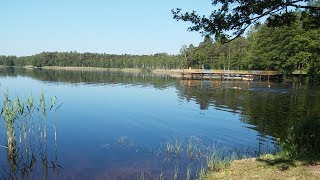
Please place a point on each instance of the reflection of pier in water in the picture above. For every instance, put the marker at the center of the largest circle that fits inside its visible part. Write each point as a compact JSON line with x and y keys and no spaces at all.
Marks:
{"x":225,"y":74}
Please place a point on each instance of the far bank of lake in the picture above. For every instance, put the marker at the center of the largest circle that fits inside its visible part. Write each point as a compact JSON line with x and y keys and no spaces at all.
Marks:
{"x":191,"y":74}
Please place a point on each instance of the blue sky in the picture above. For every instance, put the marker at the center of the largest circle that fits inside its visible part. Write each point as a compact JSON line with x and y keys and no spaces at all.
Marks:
{"x":104,"y":26}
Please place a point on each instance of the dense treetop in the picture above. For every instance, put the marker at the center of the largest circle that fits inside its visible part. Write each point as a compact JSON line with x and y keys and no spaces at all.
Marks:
{"x":237,"y":15}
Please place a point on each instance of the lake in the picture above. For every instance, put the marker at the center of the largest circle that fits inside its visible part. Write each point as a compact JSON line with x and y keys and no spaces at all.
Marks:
{"x":116,"y":125}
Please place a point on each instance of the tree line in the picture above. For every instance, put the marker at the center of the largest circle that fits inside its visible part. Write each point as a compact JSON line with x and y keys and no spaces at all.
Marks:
{"x":76,"y":59}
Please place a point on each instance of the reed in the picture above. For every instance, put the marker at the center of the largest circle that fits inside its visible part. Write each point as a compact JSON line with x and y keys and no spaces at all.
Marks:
{"x":22,"y":119}
{"x":193,"y":148}
{"x":174,"y":148}
{"x":202,"y":173}
{"x":175,"y":172}
{"x":9,"y":113}
{"x":141,"y":177}
{"x":218,"y":160}
{"x":195,"y":159}
{"x":124,"y":141}
{"x":188,"y":172}
{"x":161,"y":176}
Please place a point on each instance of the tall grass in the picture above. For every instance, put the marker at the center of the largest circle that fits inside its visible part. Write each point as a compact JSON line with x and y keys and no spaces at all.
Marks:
{"x":10,"y":114}
{"x":26,"y":133}
{"x":188,"y":172}
{"x":175,"y":172}
{"x":218,"y":160}
{"x":174,"y":147}
{"x":193,"y":149}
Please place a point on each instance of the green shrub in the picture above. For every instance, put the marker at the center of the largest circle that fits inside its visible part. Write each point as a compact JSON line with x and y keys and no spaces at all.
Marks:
{"x":303,"y":140}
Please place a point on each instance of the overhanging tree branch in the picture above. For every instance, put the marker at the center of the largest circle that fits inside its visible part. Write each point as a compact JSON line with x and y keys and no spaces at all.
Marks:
{"x":235,"y":16}
{"x":305,"y":7}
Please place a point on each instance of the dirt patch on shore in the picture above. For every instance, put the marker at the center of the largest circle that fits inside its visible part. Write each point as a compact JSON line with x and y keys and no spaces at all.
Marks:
{"x":315,"y":169}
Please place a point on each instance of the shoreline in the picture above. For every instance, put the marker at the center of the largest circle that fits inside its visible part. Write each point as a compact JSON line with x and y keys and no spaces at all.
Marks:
{"x":186,"y":74}
{"x":171,"y":72}
{"x":127,"y":70}
{"x":69,"y":68}
{"x":87,"y":69}
{"x":267,"y":166}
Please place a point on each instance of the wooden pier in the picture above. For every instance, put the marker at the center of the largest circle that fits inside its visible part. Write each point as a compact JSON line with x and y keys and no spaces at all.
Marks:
{"x":225,"y":74}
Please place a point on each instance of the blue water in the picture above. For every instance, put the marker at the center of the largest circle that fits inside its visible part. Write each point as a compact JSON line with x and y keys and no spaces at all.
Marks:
{"x":94,"y":115}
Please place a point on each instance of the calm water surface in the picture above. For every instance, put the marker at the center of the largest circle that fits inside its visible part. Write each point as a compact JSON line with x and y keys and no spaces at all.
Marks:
{"x":114,"y":125}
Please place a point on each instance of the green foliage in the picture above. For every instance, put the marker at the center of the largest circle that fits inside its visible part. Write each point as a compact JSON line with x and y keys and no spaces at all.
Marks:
{"x":215,"y":55}
{"x":8,"y":60}
{"x":75,"y":59}
{"x":236,"y":16}
{"x":286,"y":49}
{"x":303,"y":139}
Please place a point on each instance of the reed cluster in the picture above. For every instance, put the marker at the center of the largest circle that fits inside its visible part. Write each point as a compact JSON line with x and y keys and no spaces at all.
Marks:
{"x":26,"y":123}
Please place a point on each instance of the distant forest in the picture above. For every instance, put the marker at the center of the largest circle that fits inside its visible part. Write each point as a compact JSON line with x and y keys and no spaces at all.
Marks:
{"x":75,"y":59}
{"x":285,"y":49}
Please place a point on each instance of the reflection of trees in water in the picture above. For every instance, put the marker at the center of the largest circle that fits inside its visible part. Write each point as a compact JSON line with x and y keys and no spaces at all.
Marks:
{"x":206,"y":93}
{"x":275,"y":114}
{"x":87,"y":77}
{"x":271,"y":112}
{"x":28,"y":149}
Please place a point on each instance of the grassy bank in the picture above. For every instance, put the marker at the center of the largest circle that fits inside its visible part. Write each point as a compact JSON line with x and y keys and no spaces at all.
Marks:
{"x":267,"y":167}
{"x":298,"y":158}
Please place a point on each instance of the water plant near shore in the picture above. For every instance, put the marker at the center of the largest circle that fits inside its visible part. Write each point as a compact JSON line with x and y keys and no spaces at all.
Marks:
{"x":189,"y":172}
{"x":175,"y":172}
{"x":217,"y":160}
{"x":9,"y":112}
{"x":25,"y":124}
{"x":174,"y":147}
{"x":184,"y":158}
